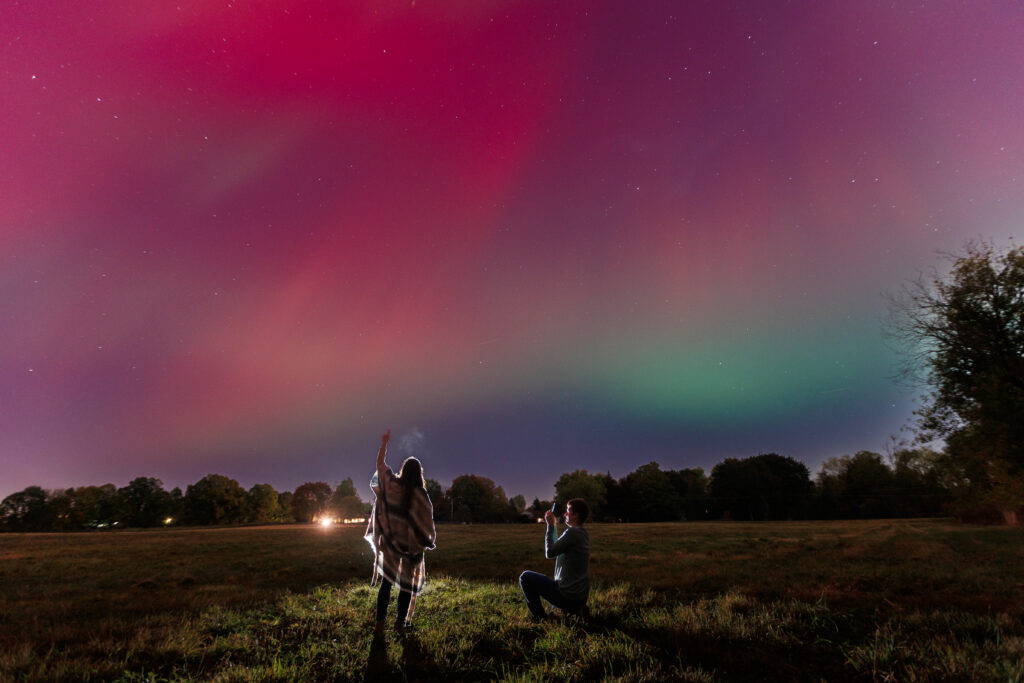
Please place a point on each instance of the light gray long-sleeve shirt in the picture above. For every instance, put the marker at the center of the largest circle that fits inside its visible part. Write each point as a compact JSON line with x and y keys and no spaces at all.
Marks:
{"x":571,"y":552}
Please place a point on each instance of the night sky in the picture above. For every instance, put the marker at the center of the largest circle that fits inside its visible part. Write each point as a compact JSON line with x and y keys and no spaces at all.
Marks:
{"x":528,"y":237}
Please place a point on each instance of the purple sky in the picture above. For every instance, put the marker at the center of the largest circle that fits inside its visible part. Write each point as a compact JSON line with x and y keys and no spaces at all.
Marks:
{"x":529,"y":237}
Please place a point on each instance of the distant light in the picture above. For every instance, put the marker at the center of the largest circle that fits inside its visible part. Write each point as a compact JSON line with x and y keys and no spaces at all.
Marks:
{"x":168,"y":521}
{"x":326,"y":522}
{"x":540,"y":520}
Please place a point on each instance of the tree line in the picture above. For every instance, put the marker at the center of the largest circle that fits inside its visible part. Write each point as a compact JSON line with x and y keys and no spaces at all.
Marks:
{"x":909,"y":483}
{"x":214,"y":499}
{"x":912,"y":483}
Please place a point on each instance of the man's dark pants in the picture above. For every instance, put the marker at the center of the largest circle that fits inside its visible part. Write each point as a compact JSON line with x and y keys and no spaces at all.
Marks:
{"x":536,"y":586}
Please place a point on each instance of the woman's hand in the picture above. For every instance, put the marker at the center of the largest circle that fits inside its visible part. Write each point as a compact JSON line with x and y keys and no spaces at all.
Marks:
{"x":385,"y":438}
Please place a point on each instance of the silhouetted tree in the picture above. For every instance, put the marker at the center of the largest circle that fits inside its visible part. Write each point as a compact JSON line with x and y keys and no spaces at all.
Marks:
{"x":144,"y":503}
{"x":829,"y":503}
{"x":650,"y":496}
{"x":691,"y":486}
{"x":349,"y":507}
{"x":345,"y":488}
{"x":582,"y":484}
{"x":59,"y":504}
{"x":24,"y":510}
{"x":263,"y":504}
{"x":94,"y":506}
{"x":538,"y":508}
{"x":869,"y":486}
{"x":284,"y":501}
{"x":616,"y":504}
{"x":483,"y":499}
{"x":434,"y":492}
{"x":309,"y":500}
{"x":345,"y":502}
{"x":216,"y":499}
{"x":176,"y":505}
{"x":766,"y":486}
{"x":919,"y":481}
{"x":963,"y":335}
{"x":859,"y":486}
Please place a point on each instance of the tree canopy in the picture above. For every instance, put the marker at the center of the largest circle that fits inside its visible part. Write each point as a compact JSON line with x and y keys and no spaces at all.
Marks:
{"x":345,"y":502}
{"x":766,"y":486}
{"x":477,"y":499}
{"x":963,"y":336}
{"x":264,"y":504}
{"x":581,"y":484}
{"x":216,"y":499}
{"x":144,"y":502}
{"x":310,"y":499}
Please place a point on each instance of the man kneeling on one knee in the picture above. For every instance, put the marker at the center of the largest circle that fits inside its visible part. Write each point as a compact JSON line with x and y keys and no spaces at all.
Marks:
{"x":571,"y":551}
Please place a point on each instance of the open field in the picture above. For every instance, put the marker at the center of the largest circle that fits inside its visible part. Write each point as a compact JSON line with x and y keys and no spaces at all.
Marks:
{"x":876,"y":600}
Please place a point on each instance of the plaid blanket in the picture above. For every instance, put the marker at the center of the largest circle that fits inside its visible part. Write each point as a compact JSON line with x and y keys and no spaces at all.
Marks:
{"x":398,"y":536}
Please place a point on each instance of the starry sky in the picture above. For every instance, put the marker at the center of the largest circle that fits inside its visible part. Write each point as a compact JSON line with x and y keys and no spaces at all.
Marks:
{"x":527,"y":236}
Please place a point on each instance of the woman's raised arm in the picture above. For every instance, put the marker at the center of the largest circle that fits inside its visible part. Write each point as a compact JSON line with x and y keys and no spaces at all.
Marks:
{"x":380,"y":455}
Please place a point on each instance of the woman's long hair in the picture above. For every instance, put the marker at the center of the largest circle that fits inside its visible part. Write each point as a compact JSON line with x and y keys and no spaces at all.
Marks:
{"x":411,"y":476}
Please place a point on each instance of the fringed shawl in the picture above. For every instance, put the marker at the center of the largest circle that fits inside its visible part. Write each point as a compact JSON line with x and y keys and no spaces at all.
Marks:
{"x":398,"y":536}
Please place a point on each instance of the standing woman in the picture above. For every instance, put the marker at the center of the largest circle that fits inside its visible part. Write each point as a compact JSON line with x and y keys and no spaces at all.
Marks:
{"x":401,"y":528}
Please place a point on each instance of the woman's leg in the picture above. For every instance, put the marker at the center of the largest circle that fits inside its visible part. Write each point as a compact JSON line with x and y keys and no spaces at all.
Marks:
{"x":404,"y":597}
{"x":383,"y":598}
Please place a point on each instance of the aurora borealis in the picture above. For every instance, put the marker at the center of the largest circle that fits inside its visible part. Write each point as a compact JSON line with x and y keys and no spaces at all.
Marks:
{"x":529,"y":237}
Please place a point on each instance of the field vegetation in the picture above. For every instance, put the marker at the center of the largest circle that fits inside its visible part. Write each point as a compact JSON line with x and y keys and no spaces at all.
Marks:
{"x":718,"y":601}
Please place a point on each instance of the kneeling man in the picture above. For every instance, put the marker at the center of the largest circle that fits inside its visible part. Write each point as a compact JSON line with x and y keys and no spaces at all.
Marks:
{"x":571,"y":551}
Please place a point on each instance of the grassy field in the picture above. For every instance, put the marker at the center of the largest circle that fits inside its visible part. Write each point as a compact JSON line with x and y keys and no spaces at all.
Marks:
{"x":878,"y":600}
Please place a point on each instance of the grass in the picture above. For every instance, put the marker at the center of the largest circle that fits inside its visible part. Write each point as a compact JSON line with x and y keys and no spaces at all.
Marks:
{"x":878,"y":600}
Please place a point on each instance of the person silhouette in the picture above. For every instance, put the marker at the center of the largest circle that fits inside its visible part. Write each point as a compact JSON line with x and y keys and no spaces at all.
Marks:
{"x":570,"y":588}
{"x":400,"y":529}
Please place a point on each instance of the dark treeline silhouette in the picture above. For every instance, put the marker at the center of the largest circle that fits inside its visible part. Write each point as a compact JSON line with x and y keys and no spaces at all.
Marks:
{"x":908,"y":483}
{"x":766,"y":487}
{"x":214,"y":499}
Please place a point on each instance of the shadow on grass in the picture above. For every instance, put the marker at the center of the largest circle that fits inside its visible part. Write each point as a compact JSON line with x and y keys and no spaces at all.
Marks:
{"x":377,"y":667}
{"x":730,"y":658}
{"x":417,"y":663}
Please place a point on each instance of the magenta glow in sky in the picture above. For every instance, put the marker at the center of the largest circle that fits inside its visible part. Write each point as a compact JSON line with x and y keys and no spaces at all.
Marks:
{"x":246,"y":238}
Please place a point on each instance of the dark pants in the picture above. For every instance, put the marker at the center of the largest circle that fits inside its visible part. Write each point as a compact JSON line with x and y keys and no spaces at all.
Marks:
{"x":384,"y":597}
{"x":536,"y":586}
